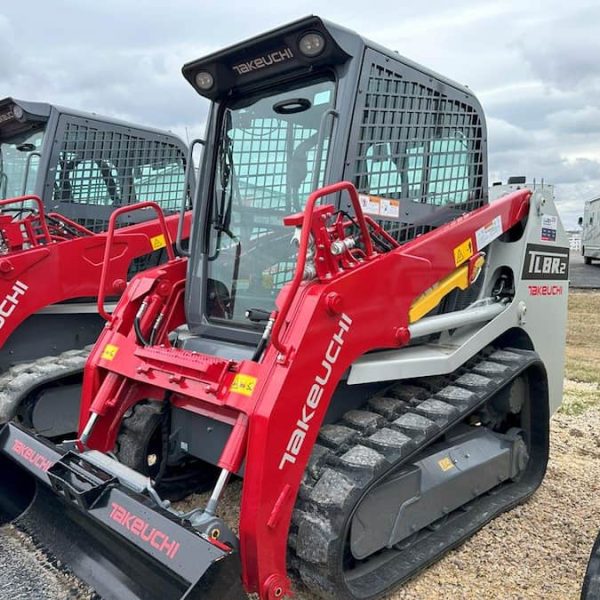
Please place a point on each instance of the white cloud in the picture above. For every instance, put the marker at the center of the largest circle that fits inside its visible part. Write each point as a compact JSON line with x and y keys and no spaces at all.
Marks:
{"x":534,"y":65}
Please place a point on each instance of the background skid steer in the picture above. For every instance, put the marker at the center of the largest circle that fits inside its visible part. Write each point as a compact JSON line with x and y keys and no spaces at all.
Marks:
{"x":63,"y":174}
{"x":383,"y":386}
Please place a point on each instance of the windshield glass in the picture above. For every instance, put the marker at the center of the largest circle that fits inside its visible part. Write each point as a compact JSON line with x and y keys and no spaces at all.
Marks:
{"x":272,"y":153}
{"x":19,"y":161}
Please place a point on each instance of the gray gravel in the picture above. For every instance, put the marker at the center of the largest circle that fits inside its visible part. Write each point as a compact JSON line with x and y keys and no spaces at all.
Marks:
{"x":26,"y":573}
{"x":540,"y":549}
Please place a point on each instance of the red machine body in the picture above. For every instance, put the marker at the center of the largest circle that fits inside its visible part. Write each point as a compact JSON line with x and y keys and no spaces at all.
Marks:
{"x":48,"y":258}
{"x":276,"y":405}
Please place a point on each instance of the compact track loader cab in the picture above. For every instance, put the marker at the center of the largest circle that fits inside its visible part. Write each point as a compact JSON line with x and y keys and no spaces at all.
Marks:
{"x":363,"y":335}
{"x":83,"y":165}
{"x":63,"y":175}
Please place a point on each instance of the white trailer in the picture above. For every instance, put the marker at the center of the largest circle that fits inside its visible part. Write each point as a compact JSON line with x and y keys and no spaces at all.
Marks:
{"x":590,"y":235}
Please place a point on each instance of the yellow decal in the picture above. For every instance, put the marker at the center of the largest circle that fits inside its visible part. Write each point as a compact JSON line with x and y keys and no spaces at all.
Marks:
{"x":446,"y":464}
{"x":157,"y":242}
{"x":463,"y":252}
{"x":109,"y":352}
{"x":243,"y":384}
{"x":429,"y":299}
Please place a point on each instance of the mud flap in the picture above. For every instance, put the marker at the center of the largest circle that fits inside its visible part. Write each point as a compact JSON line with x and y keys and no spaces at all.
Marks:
{"x":119,"y":542}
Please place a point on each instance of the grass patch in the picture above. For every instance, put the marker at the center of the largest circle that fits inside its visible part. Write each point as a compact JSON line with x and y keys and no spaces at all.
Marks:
{"x":582,"y":384}
{"x":583,"y":337}
{"x":578,"y":397}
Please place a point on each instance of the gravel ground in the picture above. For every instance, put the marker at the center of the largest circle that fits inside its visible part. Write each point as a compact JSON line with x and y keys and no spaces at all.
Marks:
{"x":538,"y":550}
{"x":541,"y":548}
{"x":26,"y":573}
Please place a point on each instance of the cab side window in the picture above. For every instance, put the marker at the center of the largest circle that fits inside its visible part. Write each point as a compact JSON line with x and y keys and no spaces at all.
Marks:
{"x":443,"y":163}
{"x":162,"y":183}
{"x":87,"y":181}
{"x":448,"y":171}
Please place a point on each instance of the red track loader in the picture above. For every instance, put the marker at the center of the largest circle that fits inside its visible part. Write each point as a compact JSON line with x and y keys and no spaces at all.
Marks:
{"x":63,"y":176}
{"x":363,"y":334}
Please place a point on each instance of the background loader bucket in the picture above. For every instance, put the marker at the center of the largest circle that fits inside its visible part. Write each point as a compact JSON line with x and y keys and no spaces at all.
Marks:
{"x":119,"y":543}
{"x":18,"y":489}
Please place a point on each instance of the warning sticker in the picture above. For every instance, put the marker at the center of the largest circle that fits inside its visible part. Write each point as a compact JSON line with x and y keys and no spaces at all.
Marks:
{"x":487,"y":234}
{"x":109,"y":352}
{"x":446,"y":463}
{"x":243,"y":384}
{"x":369,"y":204}
{"x":390,"y":208}
{"x":157,"y":242}
{"x":463,"y":252}
{"x":379,"y":207}
{"x":549,"y":227}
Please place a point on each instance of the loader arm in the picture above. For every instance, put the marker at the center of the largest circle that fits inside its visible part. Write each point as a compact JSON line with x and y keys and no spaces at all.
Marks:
{"x":292,"y":397}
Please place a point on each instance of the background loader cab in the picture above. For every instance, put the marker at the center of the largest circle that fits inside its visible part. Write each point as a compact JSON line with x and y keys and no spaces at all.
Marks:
{"x":84,"y":166}
{"x":63,"y":174}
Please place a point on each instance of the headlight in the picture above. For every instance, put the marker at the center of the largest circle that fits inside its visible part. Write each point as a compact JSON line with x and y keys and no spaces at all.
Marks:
{"x":204,"y":80}
{"x":17,"y":111}
{"x":311,"y":44}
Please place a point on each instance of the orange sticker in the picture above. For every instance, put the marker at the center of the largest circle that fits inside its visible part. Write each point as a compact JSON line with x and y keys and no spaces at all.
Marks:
{"x":463,"y":252}
{"x":446,"y":464}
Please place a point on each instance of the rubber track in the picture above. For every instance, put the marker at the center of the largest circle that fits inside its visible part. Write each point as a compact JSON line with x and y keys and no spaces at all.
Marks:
{"x":19,"y":381}
{"x":364,"y":445}
{"x":591,"y":583}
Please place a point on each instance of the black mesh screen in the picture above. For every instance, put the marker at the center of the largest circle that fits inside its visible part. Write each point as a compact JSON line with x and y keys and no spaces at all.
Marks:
{"x":110,"y":167}
{"x":419,"y":153}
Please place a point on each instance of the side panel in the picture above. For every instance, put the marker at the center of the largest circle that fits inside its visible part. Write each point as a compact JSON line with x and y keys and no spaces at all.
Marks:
{"x":538,"y":310}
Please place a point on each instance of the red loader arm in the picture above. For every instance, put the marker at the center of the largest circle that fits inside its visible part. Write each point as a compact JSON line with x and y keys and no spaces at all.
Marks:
{"x":48,"y":268}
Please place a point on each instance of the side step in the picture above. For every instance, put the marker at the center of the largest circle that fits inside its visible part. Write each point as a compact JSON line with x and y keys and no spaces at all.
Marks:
{"x":119,"y":542}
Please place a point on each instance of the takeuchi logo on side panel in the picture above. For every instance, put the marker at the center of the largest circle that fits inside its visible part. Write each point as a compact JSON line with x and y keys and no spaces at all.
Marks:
{"x":546,"y":263}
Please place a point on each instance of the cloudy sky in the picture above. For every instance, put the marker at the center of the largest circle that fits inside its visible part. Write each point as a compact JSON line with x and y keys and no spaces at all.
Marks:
{"x":535,"y":65}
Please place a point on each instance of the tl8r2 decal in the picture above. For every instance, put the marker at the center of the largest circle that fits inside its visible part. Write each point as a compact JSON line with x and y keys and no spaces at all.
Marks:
{"x":546,"y":263}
